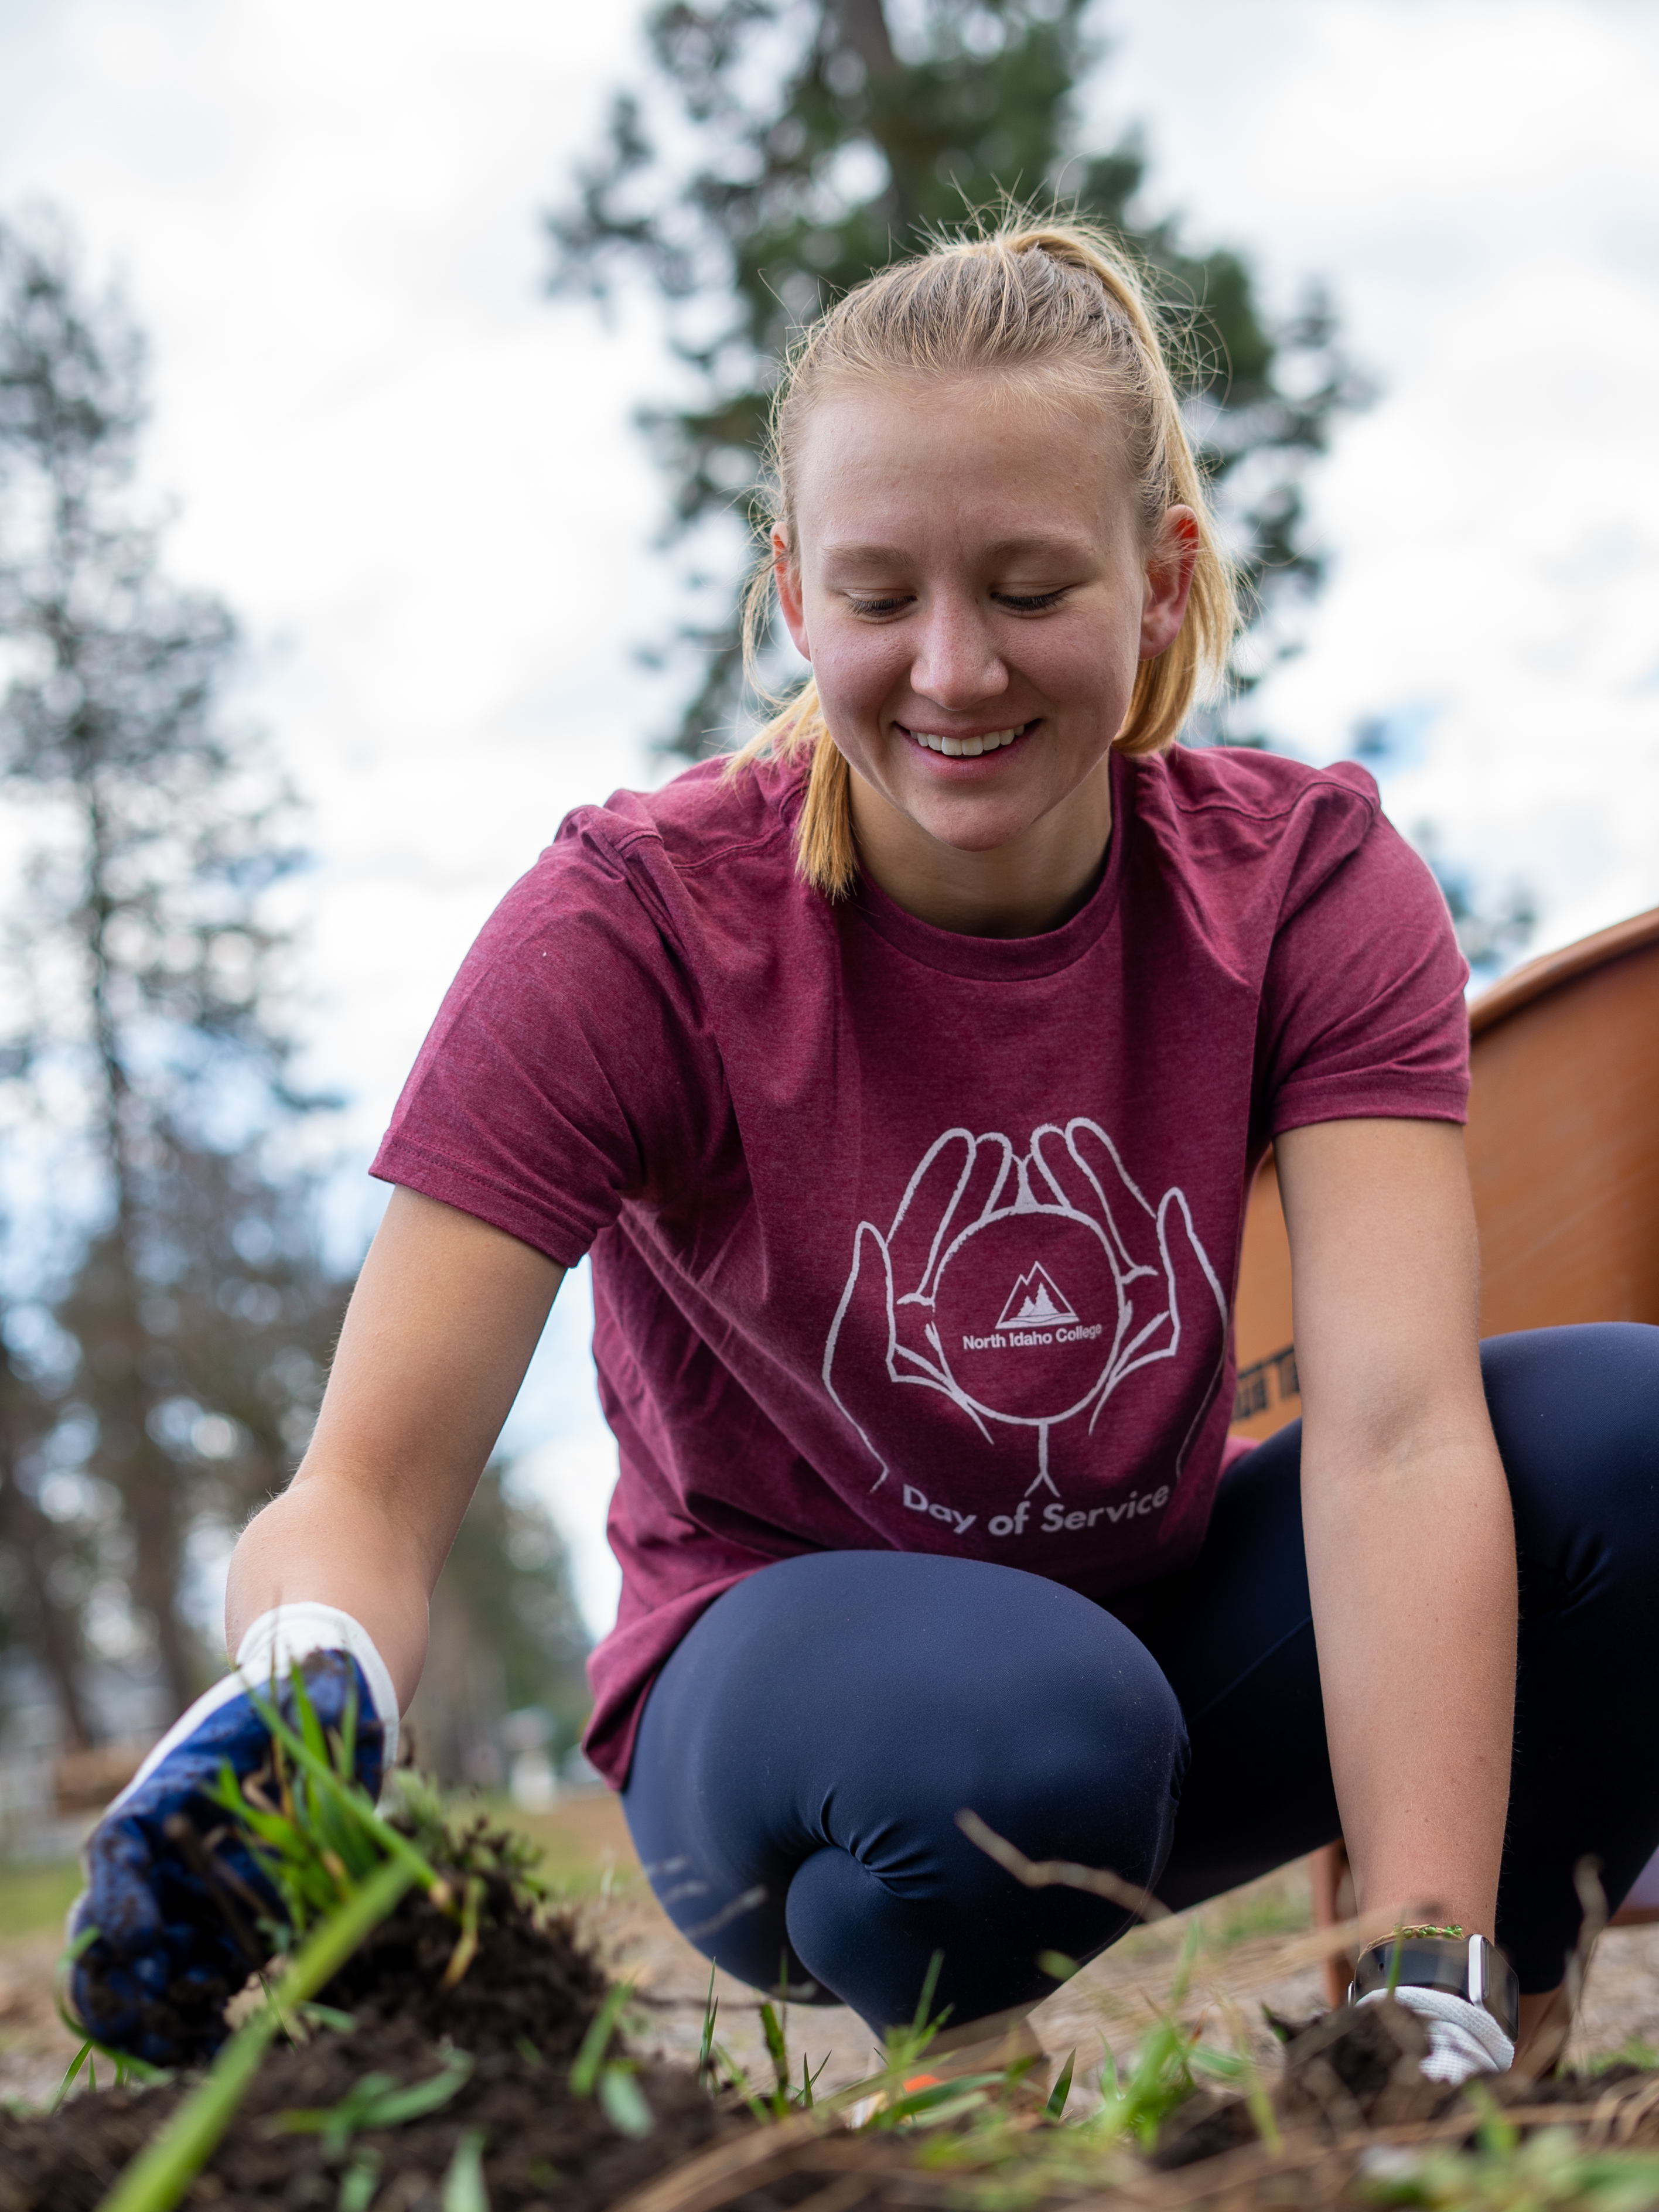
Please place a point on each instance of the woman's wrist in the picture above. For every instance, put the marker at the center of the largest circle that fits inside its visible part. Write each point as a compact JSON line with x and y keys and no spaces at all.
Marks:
{"x":323,"y":1544}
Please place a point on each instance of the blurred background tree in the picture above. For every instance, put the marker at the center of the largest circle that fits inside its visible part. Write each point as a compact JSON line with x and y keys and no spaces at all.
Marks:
{"x":166,"y":1308}
{"x":782,"y":150}
{"x":169,"y":1309}
{"x":508,"y":1646}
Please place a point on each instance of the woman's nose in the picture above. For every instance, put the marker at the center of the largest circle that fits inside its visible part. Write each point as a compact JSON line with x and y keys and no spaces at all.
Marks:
{"x":958,"y":662}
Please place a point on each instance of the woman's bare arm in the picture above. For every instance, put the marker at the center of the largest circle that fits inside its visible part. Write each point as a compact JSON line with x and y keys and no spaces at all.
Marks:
{"x":440,"y":1330}
{"x":1410,"y":1542}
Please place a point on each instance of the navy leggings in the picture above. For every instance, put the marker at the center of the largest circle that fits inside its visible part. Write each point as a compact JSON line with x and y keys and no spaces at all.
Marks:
{"x":803,"y":1753}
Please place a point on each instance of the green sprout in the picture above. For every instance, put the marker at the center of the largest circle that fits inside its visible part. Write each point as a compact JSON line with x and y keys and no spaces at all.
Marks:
{"x":463,"y":2189}
{"x":126,"y":2069}
{"x":376,"y":2101}
{"x":620,"y":2097}
{"x":1055,"y":2107}
{"x":719,"y":2072}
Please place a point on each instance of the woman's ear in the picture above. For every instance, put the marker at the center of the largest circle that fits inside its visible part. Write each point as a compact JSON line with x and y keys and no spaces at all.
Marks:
{"x":786,"y":576}
{"x":1170,"y":568}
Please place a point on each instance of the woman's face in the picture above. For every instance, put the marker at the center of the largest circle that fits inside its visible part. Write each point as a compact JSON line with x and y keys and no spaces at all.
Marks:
{"x":969,"y":574}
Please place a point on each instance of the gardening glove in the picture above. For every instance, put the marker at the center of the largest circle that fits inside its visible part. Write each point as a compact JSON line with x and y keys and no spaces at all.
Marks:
{"x":178,"y":1930}
{"x":1463,"y":2037}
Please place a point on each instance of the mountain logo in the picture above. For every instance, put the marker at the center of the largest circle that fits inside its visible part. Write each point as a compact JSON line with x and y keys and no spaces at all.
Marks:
{"x":1036,"y":1301}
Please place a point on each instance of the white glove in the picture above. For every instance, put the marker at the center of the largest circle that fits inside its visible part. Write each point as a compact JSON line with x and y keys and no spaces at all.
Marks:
{"x":269,"y":1648}
{"x":1463,"y":2037}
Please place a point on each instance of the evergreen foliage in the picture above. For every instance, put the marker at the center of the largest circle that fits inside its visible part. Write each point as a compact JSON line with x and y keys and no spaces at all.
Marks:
{"x":782,"y":150}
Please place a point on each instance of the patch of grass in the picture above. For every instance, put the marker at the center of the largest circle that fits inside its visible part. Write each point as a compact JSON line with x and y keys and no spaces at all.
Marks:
{"x":585,"y":1849}
{"x":1633,"y":2052}
{"x":1551,"y":2168}
{"x":1278,"y":1904}
{"x":37,"y":1895}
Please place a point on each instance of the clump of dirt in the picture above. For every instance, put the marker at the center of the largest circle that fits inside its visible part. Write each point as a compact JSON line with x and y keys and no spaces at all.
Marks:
{"x":1357,"y":2068}
{"x":532,"y":1978}
{"x":518,"y":2014}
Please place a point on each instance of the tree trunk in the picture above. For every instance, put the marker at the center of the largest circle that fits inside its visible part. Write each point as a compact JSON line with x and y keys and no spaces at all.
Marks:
{"x":35,"y":1545}
{"x":864,"y":27}
{"x":121,"y":1392}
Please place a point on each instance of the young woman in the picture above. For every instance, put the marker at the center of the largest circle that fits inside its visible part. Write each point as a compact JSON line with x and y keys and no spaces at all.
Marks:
{"x":905,"y":1080}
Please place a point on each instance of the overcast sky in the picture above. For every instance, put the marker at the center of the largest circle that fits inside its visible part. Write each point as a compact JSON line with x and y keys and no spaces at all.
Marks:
{"x":417,"y":483}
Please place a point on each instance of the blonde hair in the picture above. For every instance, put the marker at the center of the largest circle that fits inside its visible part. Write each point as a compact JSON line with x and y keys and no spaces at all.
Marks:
{"x":1028,"y":297}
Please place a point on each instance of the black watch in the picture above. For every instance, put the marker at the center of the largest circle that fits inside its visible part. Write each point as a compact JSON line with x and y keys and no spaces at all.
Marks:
{"x":1476,"y":1970}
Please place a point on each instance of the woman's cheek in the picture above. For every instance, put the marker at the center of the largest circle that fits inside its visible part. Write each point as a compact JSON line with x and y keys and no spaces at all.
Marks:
{"x":856,"y":674}
{"x":1074,"y":667}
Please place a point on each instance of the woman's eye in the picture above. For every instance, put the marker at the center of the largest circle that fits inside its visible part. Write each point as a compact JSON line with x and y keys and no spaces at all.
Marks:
{"x":1029,"y":602}
{"x":878,"y":606}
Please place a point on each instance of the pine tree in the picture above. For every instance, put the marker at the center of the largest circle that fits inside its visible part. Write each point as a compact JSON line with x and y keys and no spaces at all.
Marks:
{"x":44,"y":1565}
{"x":782,"y":150}
{"x":158,"y":1206}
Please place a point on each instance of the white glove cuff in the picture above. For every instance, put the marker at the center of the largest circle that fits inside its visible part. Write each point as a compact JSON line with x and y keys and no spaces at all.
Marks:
{"x":1471,"y":2023}
{"x":269,"y":1648}
{"x":288,"y":1633}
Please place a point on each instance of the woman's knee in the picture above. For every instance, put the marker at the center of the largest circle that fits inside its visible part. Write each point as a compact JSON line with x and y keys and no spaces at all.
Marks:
{"x":840,"y":1712}
{"x":1576,"y":1414}
{"x":920,"y":1674}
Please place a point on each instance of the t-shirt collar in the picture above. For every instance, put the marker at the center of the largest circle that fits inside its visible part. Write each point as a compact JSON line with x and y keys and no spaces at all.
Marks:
{"x":1010,"y":959}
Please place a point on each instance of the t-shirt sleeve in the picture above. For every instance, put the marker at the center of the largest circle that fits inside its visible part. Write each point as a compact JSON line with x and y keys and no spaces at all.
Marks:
{"x":570,"y":1065}
{"x":1363,"y":1012}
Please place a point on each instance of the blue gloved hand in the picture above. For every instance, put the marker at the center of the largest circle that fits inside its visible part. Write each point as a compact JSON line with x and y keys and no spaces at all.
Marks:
{"x":177,"y":1922}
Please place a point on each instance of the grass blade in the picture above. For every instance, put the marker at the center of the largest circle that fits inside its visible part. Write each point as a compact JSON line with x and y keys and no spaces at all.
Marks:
{"x":777,"y":2048}
{"x":463,"y":2188}
{"x":1062,"y":2089}
{"x":706,"y":2048}
{"x":622,"y":2102}
{"x":68,"y":2082}
{"x":360,"y":2180}
{"x":585,"y":2073}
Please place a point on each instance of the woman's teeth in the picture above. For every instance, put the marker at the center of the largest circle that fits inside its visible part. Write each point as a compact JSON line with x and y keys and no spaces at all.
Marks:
{"x":955,"y":747}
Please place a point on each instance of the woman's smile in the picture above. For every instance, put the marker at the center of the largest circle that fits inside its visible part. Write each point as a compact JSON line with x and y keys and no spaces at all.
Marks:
{"x":968,"y":745}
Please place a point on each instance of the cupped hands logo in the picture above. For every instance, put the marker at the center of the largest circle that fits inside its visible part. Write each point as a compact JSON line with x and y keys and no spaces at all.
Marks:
{"x":1026,"y":1288}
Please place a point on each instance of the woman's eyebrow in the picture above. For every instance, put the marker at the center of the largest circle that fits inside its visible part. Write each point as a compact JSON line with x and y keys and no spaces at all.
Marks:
{"x":852,"y":553}
{"x":1045,"y":545}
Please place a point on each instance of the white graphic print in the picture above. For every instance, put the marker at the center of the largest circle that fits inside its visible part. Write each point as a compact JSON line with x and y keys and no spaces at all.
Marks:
{"x":984,"y":1231}
{"x":1033,"y":1299}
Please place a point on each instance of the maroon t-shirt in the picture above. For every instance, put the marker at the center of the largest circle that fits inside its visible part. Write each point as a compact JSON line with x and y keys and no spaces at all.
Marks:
{"x":908,"y":1240}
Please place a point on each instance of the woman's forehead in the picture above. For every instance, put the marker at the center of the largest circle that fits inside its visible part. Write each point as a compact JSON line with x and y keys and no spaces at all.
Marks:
{"x":1012,"y":468}
{"x":1046,"y":399}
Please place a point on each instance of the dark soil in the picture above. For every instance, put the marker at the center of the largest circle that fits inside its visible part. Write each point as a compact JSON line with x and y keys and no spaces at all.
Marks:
{"x":519,"y":2012}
